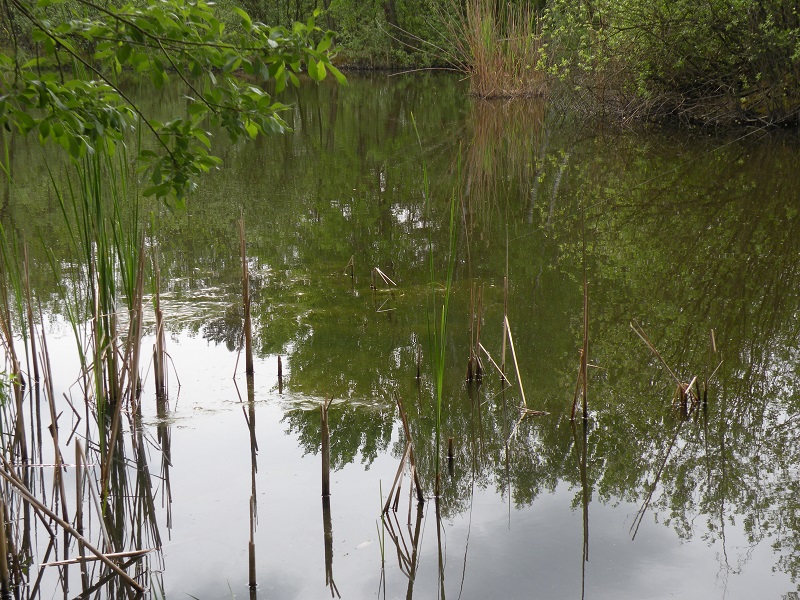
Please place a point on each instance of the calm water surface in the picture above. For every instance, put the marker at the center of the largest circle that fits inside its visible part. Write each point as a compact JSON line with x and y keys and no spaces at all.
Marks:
{"x":693,"y":239}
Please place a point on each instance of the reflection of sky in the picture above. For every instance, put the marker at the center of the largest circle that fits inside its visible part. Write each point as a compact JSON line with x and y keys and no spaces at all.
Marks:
{"x":535,"y":552}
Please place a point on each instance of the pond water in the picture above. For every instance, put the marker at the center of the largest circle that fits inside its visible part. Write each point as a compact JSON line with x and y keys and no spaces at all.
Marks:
{"x":688,"y":240}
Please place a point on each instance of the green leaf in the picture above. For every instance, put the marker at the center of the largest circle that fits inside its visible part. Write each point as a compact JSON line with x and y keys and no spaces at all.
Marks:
{"x":325,"y":43}
{"x":341,"y":79}
{"x":25,"y":122}
{"x":232,"y":64}
{"x":246,"y":20}
{"x":252,"y":128}
{"x":124,"y":52}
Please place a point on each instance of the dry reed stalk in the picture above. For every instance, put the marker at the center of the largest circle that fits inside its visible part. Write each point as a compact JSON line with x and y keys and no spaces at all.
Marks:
{"x":18,"y":380}
{"x":491,"y":361}
{"x":352,"y":266}
{"x":505,"y":320}
{"x":411,"y":457}
{"x":95,"y":495}
{"x":7,"y":474}
{"x":397,"y":479}
{"x":384,"y":277}
{"x":74,"y":561}
{"x":29,"y":310}
{"x":159,"y":351}
{"x":327,"y":527}
{"x":58,"y":479}
{"x":125,"y":380}
{"x":5,"y":574}
{"x":471,"y":360}
{"x":582,"y":384}
{"x":637,"y":520}
{"x":251,"y":547}
{"x":479,"y":319}
{"x":79,"y":514}
{"x":326,"y":449}
{"x":516,"y":364}
{"x":248,"y":328}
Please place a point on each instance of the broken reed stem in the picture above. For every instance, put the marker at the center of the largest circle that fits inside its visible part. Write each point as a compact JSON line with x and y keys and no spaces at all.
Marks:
{"x":6,"y":473}
{"x":73,"y":561}
{"x":248,"y":329}
{"x":507,"y":327}
{"x":326,"y":449}
{"x":643,"y":336}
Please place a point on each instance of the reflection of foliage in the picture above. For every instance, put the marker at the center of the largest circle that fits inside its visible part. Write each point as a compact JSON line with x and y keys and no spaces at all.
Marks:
{"x":354,"y":430}
{"x":681,"y":236}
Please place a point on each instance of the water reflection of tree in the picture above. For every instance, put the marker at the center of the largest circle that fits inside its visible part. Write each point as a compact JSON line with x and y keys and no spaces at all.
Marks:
{"x":684,"y":236}
{"x":682,"y":254}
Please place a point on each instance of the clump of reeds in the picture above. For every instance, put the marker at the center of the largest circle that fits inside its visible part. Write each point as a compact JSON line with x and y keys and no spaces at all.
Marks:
{"x":499,"y":44}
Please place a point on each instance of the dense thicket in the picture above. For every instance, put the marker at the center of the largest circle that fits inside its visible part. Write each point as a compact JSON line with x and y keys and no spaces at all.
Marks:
{"x":712,"y":62}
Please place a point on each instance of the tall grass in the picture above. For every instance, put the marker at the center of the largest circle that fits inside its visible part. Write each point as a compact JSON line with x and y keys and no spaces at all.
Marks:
{"x":498,"y":44}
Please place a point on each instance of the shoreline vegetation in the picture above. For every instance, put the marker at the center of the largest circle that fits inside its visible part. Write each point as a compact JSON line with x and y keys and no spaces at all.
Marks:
{"x":717,"y":65}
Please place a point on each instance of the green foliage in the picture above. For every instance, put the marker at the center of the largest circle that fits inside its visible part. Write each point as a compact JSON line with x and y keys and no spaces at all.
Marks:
{"x":70,"y":94}
{"x":386,"y":34}
{"x":708,"y":62}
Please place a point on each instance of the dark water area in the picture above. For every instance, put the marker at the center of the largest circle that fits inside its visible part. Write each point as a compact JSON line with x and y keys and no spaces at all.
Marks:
{"x":666,"y":490}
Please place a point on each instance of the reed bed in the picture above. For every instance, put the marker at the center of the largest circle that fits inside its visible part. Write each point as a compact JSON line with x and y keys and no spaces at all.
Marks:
{"x":499,"y":45}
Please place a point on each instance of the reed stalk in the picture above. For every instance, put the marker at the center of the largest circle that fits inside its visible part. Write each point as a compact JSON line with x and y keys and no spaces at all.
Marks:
{"x":326,"y":448}
{"x":251,"y":547}
{"x":5,"y":574}
{"x":582,"y":383}
{"x":29,"y":312}
{"x":159,"y":350}
{"x":248,"y":328}
{"x":8,"y":474}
